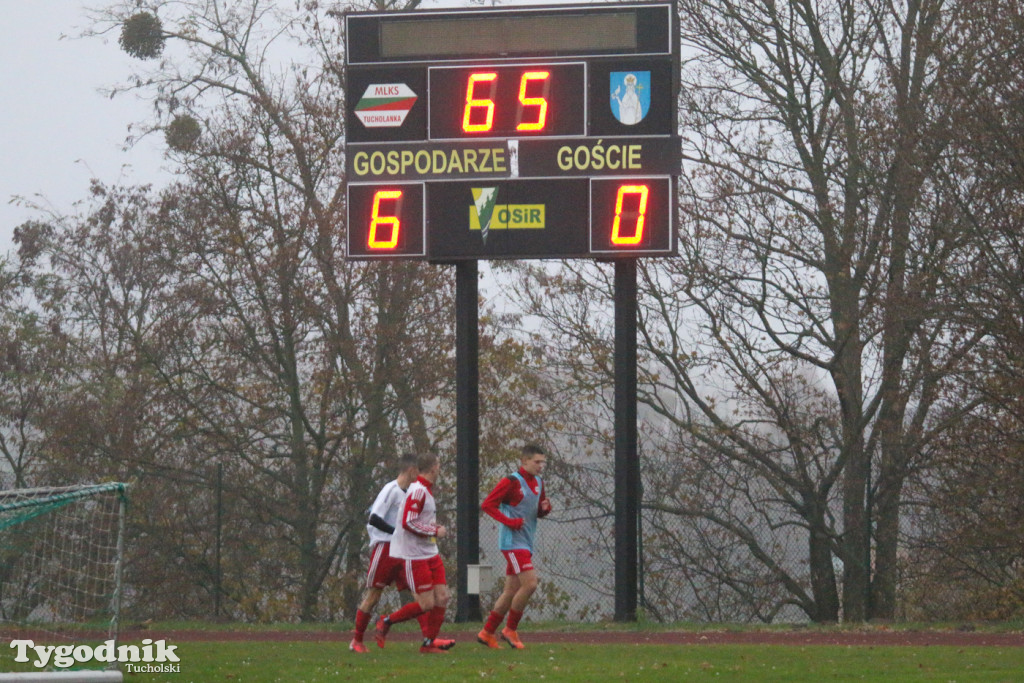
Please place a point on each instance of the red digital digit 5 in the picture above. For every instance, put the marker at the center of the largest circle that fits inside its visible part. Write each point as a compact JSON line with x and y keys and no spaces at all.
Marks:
{"x":537,"y":104}
{"x":507,"y":101}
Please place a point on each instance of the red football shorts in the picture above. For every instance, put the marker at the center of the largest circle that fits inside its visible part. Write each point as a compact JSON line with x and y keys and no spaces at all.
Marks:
{"x":424,"y":574}
{"x":384,"y":569}
{"x":517,"y":561}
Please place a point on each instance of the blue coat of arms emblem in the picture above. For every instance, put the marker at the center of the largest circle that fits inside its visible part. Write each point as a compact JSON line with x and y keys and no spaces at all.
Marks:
{"x":630,"y":95}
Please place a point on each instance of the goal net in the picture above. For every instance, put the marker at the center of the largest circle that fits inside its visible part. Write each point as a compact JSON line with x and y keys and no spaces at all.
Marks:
{"x":61,"y":552}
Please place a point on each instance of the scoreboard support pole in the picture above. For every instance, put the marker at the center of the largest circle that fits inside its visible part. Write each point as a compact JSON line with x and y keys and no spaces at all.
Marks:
{"x":627,"y":464}
{"x":467,"y":435}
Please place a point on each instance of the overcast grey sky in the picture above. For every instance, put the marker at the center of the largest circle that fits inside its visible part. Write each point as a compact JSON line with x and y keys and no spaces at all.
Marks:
{"x":57,"y":130}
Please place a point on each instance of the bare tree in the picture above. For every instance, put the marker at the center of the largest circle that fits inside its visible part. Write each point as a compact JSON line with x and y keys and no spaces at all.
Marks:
{"x":33,"y":363}
{"x":819,"y":132}
{"x":807,"y":335}
{"x":968,"y":514}
{"x":305,"y":370}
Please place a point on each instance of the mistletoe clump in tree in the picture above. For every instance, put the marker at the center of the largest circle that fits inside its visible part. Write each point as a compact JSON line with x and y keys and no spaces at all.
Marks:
{"x":142,"y":36}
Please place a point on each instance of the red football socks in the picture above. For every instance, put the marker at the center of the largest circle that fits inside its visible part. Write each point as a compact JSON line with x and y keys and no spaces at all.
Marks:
{"x":513,"y":619}
{"x":424,"y":621}
{"x":493,"y":622}
{"x":436,"y":619}
{"x":405,"y":613}
{"x":362,"y":621}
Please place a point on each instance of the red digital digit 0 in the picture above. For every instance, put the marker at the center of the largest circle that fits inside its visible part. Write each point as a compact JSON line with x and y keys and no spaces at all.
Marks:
{"x":474,"y":102}
{"x":540,"y":102}
{"x":377,"y":221}
{"x":618,"y":238}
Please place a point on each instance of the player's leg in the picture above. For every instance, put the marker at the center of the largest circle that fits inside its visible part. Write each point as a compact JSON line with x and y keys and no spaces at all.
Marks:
{"x":364,"y":614}
{"x":431,"y":643}
{"x":418,"y":576}
{"x":377,"y":577}
{"x":504,"y":601}
{"x":501,"y":605}
{"x":370,"y":598}
{"x":528,"y":582}
{"x":406,"y":595}
{"x":441,"y":598}
{"x":426,"y":599}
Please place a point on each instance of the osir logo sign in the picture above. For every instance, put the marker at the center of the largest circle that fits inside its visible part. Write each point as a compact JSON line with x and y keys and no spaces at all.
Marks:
{"x":486,"y":214}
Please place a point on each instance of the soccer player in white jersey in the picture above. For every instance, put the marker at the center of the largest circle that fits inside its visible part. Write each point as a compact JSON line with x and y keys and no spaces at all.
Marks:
{"x":516,"y":502}
{"x":384,"y":569}
{"x":415,"y":542}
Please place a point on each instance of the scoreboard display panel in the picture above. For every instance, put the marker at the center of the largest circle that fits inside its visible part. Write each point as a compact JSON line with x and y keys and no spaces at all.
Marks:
{"x":527,"y":132}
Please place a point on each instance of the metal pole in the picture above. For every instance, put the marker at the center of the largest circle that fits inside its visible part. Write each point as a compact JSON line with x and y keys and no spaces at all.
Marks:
{"x":641,"y":569}
{"x":467,"y":437}
{"x":218,"y":576}
{"x":868,"y":504}
{"x":627,"y":465}
{"x":116,"y":600}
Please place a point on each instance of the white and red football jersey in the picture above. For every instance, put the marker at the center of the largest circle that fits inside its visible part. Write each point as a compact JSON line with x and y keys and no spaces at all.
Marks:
{"x":387,"y":506}
{"x":415,"y":536}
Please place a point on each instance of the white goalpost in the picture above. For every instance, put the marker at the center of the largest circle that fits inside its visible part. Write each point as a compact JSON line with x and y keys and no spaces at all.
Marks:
{"x":61,"y":561}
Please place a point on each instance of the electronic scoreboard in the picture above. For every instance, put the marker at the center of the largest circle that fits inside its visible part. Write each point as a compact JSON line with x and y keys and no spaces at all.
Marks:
{"x":527,"y":132}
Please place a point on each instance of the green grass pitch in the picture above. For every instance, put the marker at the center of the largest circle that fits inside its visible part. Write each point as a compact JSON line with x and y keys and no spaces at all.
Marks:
{"x":313,"y":662}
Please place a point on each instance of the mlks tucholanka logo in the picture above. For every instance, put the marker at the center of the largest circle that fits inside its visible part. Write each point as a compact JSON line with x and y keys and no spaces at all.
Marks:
{"x":385,"y":105}
{"x":486,"y":214}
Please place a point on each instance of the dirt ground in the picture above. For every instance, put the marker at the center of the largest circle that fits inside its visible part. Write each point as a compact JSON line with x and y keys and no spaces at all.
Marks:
{"x":797,"y":636}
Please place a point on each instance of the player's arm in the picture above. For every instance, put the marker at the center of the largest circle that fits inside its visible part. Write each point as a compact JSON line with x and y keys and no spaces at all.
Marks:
{"x":411,"y":521}
{"x":504,"y":492}
{"x":376,"y":521}
{"x":381,"y":506}
{"x":544,"y":504}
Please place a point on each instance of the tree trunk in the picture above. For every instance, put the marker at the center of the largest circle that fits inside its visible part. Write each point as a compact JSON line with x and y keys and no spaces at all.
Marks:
{"x":855,"y":570}
{"x":823,"y":574}
{"x":883,"y":586}
{"x":309,"y":560}
{"x":847,"y":376}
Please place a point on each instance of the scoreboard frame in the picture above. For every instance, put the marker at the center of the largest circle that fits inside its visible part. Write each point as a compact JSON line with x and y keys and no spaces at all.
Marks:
{"x":546,"y":131}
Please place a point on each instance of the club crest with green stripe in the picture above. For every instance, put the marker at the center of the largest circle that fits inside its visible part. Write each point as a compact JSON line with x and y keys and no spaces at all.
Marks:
{"x":385,"y":105}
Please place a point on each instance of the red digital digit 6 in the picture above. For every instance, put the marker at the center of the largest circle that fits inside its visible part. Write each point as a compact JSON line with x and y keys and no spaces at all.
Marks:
{"x":474,"y":103}
{"x":385,"y":222}
{"x":374,"y":239}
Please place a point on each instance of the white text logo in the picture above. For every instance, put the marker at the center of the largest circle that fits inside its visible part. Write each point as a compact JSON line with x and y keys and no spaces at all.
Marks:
{"x":63,"y":656}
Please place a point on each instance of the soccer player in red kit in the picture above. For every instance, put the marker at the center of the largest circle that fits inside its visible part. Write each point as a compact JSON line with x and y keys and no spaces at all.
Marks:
{"x":516,"y":502}
{"x":415,"y":542}
{"x":384,"y":569}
